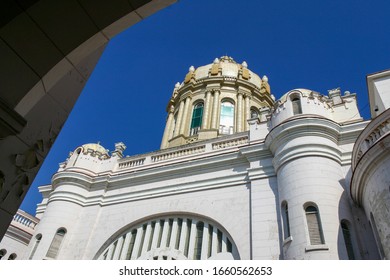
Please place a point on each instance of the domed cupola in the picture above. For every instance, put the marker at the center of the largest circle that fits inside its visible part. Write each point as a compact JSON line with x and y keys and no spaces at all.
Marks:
{"x":214,"y":100}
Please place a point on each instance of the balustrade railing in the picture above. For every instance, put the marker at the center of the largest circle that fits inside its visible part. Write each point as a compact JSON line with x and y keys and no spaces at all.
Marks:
{"x":182,"y":152}
{"x":24,"y":220}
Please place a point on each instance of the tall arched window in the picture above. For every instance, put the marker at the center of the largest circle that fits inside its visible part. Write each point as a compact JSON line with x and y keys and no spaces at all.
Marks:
{"x":38,"y":239}
{"x":174,"y":128}
{"x":286,"y":221}
{"x":254,"y":113}
{"x":347,"y":239}
{"x":314,"y":225}
{"x":56,"y":243}
{"x":196,"y":121}
{"x":2,"y":253}
{"x":226,"y":123}
{"x":296,"y":105}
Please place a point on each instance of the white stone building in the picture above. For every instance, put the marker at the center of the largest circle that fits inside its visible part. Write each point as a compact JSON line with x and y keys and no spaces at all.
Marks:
{"x":14,"y":244}
{"x":239,"y":176}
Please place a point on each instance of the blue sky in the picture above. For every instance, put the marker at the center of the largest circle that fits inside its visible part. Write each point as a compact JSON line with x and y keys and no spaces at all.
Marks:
{"x":313,"y":44}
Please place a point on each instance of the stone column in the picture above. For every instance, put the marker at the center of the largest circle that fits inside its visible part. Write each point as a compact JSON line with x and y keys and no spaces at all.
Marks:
{"x":179,"y":118}
{"x":247,"y":111}
{"x":216,"y":105}
{"x":191,"y":248}
{"x":206,"y":110}
{"x":184,"y":123}
{"x":239,"y":112}
{"x":168,"y":129}
{"x":126,"y":245}
{"x":205,"y":242}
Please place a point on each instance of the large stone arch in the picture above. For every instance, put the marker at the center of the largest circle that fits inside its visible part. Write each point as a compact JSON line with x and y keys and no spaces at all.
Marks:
{"x":170,"y":236}
{"x":48,"y":50}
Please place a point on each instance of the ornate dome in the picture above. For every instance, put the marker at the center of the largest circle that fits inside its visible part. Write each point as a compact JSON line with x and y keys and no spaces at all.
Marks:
{"x":214,"y":100}
{"x":224,"y":66}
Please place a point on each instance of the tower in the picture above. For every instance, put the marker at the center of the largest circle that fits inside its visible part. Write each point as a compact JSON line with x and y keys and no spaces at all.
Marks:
{"x":214,"y":100}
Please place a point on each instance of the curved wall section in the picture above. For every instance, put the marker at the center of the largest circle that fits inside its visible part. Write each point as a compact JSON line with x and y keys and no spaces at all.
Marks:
{"x":308,"y":160}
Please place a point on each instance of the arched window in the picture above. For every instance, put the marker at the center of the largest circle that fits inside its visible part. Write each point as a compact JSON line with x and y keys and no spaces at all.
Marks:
{"x":56,"y":243}
{"x":12,"y":257}
{"x":196,"y":121}
{"x":174,"y":128}
{"x":254,"y":113}
{"x":296,"y":105}
{"x":347,"y":239}
{"x":38,"y":238}
{"x":226,"y":123}
{"x":286,"y":221}
{"x":314,"y":225}
{"x":3,"y":252}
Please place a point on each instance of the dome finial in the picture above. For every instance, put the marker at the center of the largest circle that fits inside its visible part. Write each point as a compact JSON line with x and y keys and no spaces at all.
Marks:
{"x":216,"y":60}
{"x":244,"y":64}
{"x":192,"y":69}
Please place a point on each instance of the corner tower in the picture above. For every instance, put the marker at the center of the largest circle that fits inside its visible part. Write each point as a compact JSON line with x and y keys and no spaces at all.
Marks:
{"x":214,"y":100}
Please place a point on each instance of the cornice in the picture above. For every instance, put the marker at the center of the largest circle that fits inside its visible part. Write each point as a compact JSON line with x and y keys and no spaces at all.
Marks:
{"x":370,"y":161}
{"x":299,"y":127}
{"x":308,"y":126}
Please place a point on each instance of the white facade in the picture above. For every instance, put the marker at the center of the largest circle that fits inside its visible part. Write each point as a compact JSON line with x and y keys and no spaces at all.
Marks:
{"x":14,"y":244}
{"x":370,"y":184}
{"x":274,"y":185}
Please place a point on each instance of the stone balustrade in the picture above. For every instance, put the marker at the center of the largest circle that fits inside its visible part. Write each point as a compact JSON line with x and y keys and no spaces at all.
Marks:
{"x":132,"y":163}
{"x":21,"y":218}
{"x":183,"y":152}
{"x":230,"y":143}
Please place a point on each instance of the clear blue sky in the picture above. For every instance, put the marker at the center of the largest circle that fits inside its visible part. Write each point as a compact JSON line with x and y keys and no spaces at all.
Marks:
{"x":313,"y":44}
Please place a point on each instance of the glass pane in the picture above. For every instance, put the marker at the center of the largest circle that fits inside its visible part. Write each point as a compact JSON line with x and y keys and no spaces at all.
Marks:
{"x":197,"y":115}
{"x":226,"y":118}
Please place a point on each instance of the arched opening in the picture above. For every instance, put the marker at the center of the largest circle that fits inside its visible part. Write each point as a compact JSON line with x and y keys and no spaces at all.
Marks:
{"x":170,"y":237}
{"x":56,"y":243}
{"x":196,"y":120}
{"x":226,"y":118}
{"x":254,"y":113}
{"x":286,"y":220}
{"x":38,"y":239}
{"x":12,"y":257}
{"x":3,"y":252}
{"x":296,"y":105}
{"x":316,"y":235}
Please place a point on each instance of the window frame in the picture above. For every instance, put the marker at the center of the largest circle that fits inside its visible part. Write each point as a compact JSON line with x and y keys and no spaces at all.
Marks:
{"x":194,"y":129}
{"x":318,"y":225}
{"x":58,"y":238}
{"x":296,"y":104}
{"x":231,"y":129}
{"x":285,"y":220}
